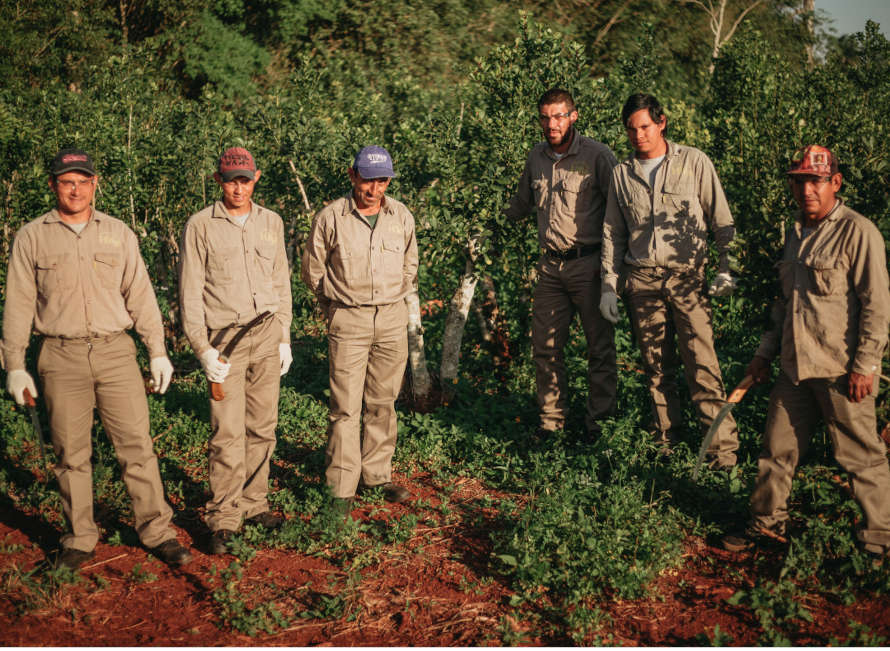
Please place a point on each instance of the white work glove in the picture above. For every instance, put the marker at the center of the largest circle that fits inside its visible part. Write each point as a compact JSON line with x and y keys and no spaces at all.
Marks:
{"x":609,"y":306}
{"x":216,"y":370}
{"x":16,"y":383}
{"x":161,"y":373}
{"x":286,"y":357}
{"x":723,"y":285}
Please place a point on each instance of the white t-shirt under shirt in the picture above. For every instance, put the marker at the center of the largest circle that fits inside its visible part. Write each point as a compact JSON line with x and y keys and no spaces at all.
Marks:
{"x":650,"y":167}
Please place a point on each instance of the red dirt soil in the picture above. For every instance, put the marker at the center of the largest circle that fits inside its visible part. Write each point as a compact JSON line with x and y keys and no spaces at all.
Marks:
{"x":433,"y":590}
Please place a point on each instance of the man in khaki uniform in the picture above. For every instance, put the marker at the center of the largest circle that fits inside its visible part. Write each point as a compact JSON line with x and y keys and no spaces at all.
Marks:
{"x":361,"y":262}
{"x":830,"y":326}
{"x":566,"y":181}
{"x":234,"y":268}
{"x":76,"y":276}
{"x":662,"y":201}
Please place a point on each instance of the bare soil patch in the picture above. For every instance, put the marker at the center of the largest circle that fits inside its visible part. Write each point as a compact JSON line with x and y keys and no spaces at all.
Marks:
{"x":436,"y":588}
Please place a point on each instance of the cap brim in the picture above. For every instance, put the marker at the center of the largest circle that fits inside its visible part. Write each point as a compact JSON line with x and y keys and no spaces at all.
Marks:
{"x":229,"y":175}
{"x":75,"y":168}
{"x":376,"y":174}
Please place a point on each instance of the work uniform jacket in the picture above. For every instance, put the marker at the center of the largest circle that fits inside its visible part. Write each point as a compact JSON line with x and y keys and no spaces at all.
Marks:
{"x":77,"y":285}
{"x":568,"y":193}
{"x":665,"y":225}
{"x":834,"y":309}
{"x":347,"y":261}
{"x":231,"y":274}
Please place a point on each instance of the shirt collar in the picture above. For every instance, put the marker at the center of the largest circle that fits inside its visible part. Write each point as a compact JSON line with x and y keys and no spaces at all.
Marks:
{"x":220,"y":211}
{"x":573,"y":147}
{"x":352,"y":207}
{"x":54,"y":216}
{"x":833,"y":215}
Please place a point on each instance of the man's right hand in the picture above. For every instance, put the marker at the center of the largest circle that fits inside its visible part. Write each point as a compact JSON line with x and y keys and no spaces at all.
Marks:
{"x":216,"y":370}
{"x":609,"y":306}
{"x":758,"y":368}
{"x":16,"y":383}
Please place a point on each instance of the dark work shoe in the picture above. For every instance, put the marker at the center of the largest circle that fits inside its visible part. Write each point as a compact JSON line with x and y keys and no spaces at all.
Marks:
{"x":73,"y":558}
{"x":395,"y":493}
{"x":266,"y":520}
{"x":172,"y":552}
{"x":751,"y":538}
{"x":219,"y":541}
{"x":391,"y":492}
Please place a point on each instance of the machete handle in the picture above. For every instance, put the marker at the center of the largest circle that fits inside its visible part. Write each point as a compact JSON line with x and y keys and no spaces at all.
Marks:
{"x":216,"y":391}
{"x":29,"y":399}
{"x":739,"y":392}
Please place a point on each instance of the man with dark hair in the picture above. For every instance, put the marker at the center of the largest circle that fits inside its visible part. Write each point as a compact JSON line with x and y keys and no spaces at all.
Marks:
{"x":830,"y":331}
{"x":565,"y":181}
{"x":360,"y":261}
{"x":76,"y":276}
{"x":233,"y":269}
{"x":662,"y":201}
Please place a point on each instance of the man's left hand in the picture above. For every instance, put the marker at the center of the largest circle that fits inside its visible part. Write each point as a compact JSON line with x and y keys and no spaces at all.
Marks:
{"x":286,"y":357}
{"x":723,"y":285}
{"x":161,"y":373}
{"x":860,"y":386}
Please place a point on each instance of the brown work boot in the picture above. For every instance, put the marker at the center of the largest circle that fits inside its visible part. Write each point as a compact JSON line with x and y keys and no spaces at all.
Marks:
{"x":72,"y":558}
{"x":752,"y":537}
{"x":391,"y":492}
{"x":266,"y":520}
{"x":219,"y":541}
{"x":172,"y":553}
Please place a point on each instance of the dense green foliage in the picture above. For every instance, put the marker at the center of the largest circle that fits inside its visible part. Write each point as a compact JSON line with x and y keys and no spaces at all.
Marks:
{"x":156,"y":89}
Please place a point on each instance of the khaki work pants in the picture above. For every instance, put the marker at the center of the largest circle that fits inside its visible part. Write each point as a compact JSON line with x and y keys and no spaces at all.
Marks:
{"x":243,"y":427}
{"x":81,"y":375}
{"x":564,"y":288}
{"x":794,"y":412}
{"x":664,"y":305}
{"x":367,"y":353}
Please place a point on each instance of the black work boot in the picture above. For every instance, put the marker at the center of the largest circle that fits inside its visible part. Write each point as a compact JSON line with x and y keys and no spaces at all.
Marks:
{"x":72,"y":558}
{"x":172,"y":552}
{"x":266,"y":520}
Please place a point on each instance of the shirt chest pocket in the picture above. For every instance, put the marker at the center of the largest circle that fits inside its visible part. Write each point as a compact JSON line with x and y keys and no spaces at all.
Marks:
{"x":221,"y":263}
{"x":53,"y":273}
{"x":635,"y":206}
{"x":541,"y":191}
{"x":265,"y":259}
{"x":108,"y":269}
{"x":576,"y":192}
{"x":348,"y":263}
{"x":393,"y":256}
{"x":825,"y":277}
{"x":681,"y":200}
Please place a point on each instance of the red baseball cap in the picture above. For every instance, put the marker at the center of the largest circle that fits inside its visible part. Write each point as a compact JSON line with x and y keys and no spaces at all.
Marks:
{"x":235,"y":162}
{"x":813,"y":160}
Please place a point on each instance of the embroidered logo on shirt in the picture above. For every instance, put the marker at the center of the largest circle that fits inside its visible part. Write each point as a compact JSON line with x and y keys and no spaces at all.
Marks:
{"x":268,"y":236}
{"x":108,"y":239}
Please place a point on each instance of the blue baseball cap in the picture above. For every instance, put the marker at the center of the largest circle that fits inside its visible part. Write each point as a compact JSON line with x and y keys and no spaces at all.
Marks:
{"x":373,"y":162}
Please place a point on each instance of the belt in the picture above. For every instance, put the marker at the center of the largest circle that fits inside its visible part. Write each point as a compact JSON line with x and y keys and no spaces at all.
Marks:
{"x":98,"y":339}
{"x":575,"y":253}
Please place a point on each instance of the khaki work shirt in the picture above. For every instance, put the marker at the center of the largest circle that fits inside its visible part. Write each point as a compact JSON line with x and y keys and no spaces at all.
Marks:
{"x":665,"y":225}
{"x":568,"y":193}
{"x":834,"y":311}
{"x":71,"y":285}
{"x":230,"y":274}
{"x":347,"y":261}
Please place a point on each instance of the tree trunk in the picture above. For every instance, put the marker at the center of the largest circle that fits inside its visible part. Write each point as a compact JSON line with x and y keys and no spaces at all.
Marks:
{"x":809,"y":9}
{"x":420,"y":375}
{"x":454,"y":329}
